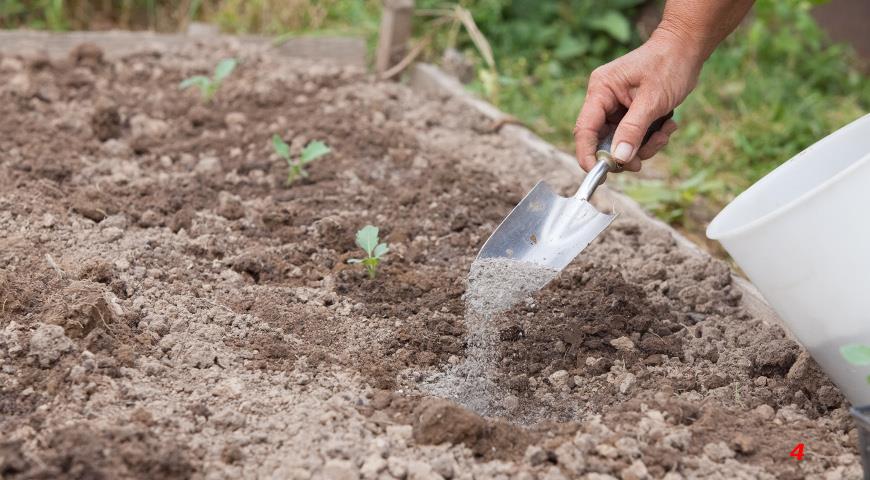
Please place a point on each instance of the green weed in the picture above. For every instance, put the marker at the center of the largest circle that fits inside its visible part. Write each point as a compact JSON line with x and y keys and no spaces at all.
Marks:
{"x":670,"y":200}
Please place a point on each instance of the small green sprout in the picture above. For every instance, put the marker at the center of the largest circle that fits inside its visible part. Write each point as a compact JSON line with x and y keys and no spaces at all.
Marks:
{"x":209,"y":86}
{"x":367,"y":239}
{"x":856,"y":354}
{"x":310,"y":153}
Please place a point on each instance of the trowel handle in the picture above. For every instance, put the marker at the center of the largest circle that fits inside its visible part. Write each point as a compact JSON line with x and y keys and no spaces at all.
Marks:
{"x":606,"y":163}
{"x":607,"y":143}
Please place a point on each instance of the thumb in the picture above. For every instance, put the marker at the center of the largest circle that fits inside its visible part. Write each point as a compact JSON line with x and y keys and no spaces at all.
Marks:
{"x":632,"y":128}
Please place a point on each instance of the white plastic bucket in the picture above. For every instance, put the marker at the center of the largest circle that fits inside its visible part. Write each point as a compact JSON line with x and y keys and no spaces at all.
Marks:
{"x":802,"y":235}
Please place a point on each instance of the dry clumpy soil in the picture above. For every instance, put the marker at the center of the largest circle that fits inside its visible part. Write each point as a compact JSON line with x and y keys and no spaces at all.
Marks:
{"x":170,"y":309}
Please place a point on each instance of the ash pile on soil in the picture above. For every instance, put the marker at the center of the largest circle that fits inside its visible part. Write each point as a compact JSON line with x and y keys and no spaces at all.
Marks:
{"x":494,"y":286}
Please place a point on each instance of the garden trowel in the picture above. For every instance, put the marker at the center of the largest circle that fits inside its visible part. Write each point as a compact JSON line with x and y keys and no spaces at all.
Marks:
{"x":549,"y":230}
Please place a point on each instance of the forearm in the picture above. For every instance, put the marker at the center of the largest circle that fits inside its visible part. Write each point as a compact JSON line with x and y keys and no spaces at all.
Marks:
{"x":700,"y":25}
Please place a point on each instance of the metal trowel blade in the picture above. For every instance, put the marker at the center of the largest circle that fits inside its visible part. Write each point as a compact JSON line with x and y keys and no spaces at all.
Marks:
{"x":546,"y":229}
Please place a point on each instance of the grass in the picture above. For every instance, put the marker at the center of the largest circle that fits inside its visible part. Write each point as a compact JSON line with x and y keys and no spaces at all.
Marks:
{"x":771,"y":91}
{"x":271,"y":17}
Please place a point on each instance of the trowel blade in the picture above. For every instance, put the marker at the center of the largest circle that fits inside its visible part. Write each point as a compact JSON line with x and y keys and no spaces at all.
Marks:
{"x":546,"y":229}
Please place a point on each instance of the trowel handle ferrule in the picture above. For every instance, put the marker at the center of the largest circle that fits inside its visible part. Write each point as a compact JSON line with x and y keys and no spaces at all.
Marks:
{"x":596,"y":176}
{"x":606,"y":162}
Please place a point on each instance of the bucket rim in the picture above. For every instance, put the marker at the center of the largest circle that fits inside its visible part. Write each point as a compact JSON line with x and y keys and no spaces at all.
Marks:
{"x":715,"y":232}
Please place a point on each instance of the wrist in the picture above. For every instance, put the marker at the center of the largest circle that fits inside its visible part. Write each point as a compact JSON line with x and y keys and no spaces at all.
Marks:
{"x":682,"y":42}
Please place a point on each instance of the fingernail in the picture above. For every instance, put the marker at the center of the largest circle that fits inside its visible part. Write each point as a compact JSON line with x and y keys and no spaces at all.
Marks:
{"x":623,"y":152}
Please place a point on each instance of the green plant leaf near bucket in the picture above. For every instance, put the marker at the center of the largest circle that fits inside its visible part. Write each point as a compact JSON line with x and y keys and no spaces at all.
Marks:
{"x":856,"y":354}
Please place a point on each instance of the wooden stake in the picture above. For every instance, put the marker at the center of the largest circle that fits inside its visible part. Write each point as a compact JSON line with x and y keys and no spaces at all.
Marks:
{"x":395,"y":33}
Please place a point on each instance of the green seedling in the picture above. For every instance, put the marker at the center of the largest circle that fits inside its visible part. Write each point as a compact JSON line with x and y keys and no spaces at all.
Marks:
{"x":857,"y":354}
{"x":310,"y":153}
{"x":209,"y":86}
{"x":367,"y":239}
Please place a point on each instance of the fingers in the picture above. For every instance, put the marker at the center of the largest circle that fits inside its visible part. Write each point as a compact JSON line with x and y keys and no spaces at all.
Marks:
{"x":633,"y":165}
{"x":631,"y":130}
{"x":657,"y":141}
{"x":590,"y":121}
{"x":599,"y":103}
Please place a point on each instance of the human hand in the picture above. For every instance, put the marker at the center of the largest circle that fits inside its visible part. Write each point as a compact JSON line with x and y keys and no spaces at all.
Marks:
{"x":629,"y":93}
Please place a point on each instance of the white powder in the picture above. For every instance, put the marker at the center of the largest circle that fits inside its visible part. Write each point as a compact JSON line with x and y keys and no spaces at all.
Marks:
{"x":497,"y":284}
{"x":494,"y":286}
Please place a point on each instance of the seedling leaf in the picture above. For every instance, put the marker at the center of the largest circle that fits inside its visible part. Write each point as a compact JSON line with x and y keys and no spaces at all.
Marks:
{"x":856,"y":354}
{"x":380,"y":250}
{"x":367,"y":238}
{"x":224,"y":68}
{"x":209,"y":86}
{"x":197,"y":80}
{"x":313,"y":151}
{"x":354,"y":261}
{"x":281,"y":147}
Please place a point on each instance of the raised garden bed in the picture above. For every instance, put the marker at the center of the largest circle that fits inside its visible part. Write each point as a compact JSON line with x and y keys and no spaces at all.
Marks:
{"x":169,"y":308}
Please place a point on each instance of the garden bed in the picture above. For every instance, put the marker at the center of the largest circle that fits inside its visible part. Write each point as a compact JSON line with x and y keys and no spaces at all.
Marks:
{"x":170,"y":308}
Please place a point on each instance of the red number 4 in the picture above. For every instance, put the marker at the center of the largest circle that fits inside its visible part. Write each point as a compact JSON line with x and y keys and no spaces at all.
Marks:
{"x":797,"y":452}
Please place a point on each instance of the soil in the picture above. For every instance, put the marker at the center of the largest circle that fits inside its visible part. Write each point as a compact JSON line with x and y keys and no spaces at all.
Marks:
{"x":169,"y":308}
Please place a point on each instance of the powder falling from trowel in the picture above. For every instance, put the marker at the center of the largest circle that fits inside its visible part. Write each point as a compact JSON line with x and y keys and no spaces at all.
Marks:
{"x":494,"y":286}
{"x":497,"y":284}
